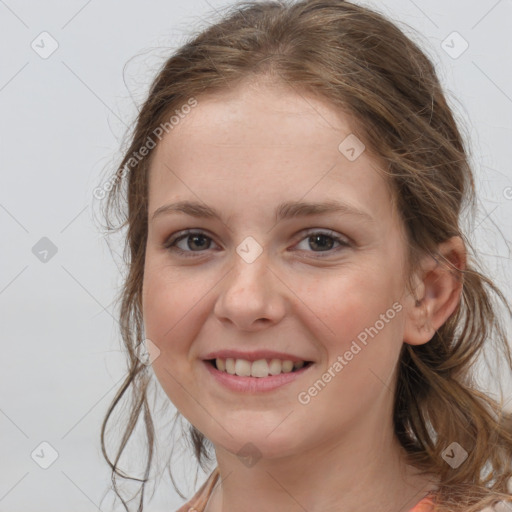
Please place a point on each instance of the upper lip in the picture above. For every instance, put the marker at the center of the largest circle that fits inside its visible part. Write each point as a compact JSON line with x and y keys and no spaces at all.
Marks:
{"x":253,"y":356}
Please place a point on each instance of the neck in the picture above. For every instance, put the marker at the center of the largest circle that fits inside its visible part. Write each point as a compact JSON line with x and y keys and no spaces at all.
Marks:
{"x":363,"y":471}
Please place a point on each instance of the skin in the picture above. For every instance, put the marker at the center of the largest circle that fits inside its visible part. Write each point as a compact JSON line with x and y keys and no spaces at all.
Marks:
{"x":243,"y":152}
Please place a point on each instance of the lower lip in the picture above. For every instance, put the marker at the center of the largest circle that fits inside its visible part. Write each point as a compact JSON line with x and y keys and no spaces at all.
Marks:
{"x":254,"y":384}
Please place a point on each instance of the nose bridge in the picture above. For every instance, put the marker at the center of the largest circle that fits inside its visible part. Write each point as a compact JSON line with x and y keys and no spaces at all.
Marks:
{"x":249,"y":249}
{"x":250,"y":291}
{"x":250,"y":268}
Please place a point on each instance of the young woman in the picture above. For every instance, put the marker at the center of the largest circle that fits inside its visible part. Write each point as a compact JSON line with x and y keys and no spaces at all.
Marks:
{"x":297,"y":270}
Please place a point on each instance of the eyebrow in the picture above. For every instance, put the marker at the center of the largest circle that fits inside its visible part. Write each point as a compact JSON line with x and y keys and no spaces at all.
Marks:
{"x":286,"y":210}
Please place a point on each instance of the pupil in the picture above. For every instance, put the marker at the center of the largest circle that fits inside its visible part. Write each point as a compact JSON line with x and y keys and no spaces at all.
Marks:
{"x":195,"y":237}
{"x":315,"y":239}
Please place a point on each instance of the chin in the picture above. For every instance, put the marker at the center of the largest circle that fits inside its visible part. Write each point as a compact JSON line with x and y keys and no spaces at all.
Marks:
{"x":256,"y":443}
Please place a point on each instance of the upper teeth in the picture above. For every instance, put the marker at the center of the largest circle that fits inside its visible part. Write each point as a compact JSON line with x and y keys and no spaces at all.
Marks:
{"x":259,"y":368}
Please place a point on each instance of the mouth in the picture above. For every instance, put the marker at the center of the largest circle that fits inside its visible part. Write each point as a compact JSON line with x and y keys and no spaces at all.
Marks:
{"x":256,"y":377}
{"x":261,"y":368}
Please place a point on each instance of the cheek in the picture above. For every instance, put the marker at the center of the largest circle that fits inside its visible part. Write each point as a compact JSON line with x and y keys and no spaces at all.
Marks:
{"x":361,"y":332}
{"x":348,"y":304}
{"x":165,"y":307}
{"x":169,"y":300}
{"x":175,"y":306}
{"x":160,"y":308}
{"x":361,"y":323}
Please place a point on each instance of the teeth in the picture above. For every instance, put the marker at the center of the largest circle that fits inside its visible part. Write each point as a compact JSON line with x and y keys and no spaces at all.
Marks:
{"x":242,"y":368}
{"x":230,"y":366}
{"x":275,"y":367}
{"x":221,"y":364}
{"x":287,"y":366}
{"x":259,"y":368}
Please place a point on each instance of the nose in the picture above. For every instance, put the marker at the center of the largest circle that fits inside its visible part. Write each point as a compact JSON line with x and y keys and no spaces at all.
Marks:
{"x":252,"y":296}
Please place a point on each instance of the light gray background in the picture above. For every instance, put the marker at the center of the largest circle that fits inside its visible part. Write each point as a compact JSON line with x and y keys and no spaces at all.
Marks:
{"x":62,"y":120}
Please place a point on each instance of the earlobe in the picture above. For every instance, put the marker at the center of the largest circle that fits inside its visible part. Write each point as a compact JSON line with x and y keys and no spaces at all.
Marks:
{"x":437,"y":292}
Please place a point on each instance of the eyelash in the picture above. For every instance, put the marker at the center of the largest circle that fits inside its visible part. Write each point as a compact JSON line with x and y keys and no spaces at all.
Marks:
{"x":173,"y":239}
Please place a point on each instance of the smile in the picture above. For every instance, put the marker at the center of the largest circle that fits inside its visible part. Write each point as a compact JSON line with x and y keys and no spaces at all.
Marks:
{"x":237,"y":374}
{"x":260,"y":368}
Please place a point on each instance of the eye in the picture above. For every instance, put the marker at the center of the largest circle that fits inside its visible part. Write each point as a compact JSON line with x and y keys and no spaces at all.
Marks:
{"x":193,"y":242}
{"x":324,"y":241}
{"x":197,"y":242}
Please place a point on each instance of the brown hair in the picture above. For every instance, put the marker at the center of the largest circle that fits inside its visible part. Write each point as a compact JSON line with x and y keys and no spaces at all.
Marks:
{"x":362,"y":63}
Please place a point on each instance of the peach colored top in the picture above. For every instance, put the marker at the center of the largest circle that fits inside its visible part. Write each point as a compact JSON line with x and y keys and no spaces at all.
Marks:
{"x":198,"y":502}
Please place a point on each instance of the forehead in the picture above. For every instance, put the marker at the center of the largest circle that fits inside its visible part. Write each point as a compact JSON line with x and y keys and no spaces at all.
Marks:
{"x":262,"y":143}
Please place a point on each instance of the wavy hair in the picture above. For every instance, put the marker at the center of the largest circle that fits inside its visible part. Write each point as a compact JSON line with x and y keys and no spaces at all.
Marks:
{"x":364,"y":64}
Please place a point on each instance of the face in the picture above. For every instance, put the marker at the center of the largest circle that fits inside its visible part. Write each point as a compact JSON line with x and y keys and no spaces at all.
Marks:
{"x":319,"y":286}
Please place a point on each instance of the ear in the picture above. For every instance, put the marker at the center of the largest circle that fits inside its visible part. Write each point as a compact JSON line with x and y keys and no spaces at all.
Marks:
{"x":436,"y":294}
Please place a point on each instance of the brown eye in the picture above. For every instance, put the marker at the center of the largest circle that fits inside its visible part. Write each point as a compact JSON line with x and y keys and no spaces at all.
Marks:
{"x":321,"y":241}
{"x":190,"y":242}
